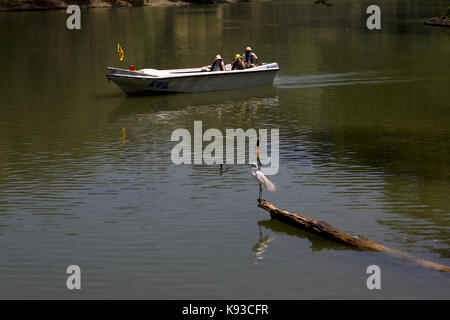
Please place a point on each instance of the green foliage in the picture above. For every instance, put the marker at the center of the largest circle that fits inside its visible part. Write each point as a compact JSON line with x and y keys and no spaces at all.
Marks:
{"x":9,"y":3}
{"x":18,"y":4}
{"x":201,"y":1}
{"x":446,"y":14}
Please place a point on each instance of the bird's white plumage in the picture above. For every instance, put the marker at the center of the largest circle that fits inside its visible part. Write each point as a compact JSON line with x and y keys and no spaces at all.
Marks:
{"x":262,"y":179}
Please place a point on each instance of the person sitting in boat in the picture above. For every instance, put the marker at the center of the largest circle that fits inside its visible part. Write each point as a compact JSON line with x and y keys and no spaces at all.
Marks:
{"x":237,"y":63}
{"x":218,"y":64}
{"x":250,"y":58}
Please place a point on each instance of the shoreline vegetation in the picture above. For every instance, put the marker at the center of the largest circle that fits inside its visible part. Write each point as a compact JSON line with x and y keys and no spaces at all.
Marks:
{"x":32,"y":5}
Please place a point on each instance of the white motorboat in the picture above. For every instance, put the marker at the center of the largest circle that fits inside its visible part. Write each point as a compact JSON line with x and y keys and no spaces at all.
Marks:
{"x":152,"y":81}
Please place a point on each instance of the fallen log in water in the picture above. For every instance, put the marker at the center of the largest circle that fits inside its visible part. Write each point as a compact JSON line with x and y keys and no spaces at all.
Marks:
{"x":356,"y":242}
{"x":440,"y":22}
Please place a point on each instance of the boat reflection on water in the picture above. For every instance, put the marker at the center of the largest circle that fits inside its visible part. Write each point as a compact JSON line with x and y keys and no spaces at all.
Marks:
{"x":175,"y":102}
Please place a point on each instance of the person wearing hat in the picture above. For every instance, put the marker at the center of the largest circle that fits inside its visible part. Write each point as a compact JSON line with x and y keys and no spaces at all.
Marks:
{"x":237,"y":63}
{"x":250,"y":59}
{"x":218,"y":64}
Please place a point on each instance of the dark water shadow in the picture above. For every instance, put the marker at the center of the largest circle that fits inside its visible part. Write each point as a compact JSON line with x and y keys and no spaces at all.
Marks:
{"x":317,"y":243}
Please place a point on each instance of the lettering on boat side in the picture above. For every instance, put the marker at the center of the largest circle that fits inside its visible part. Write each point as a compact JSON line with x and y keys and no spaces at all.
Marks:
{"x":74,"y":280}
{"x":374,"y":280}
{"x":159,"y":84}
{"x":213,"y":153}
{"x":374,"y":20}
{"x":74,"y":21}
{"x":272,"y":67}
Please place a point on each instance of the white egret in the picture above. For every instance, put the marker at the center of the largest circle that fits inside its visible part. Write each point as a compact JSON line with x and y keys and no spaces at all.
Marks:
{"x":262,"y":180}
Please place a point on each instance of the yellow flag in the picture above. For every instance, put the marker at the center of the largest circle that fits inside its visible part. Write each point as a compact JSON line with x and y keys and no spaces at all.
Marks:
{"x":120,"y":51}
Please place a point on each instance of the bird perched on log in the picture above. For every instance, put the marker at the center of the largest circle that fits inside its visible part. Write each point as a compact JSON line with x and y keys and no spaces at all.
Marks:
{"x":262,"y":180}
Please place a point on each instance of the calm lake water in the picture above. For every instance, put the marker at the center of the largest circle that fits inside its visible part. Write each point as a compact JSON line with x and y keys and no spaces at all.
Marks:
{"x":364,"y":124}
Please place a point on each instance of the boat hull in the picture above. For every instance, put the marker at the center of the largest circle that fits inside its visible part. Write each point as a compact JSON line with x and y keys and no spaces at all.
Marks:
{"x":134,"y":83}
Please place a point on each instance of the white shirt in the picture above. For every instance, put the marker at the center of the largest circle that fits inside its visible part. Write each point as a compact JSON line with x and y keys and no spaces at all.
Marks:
{"x":252,"y":58}
{"x":217,"y":65}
